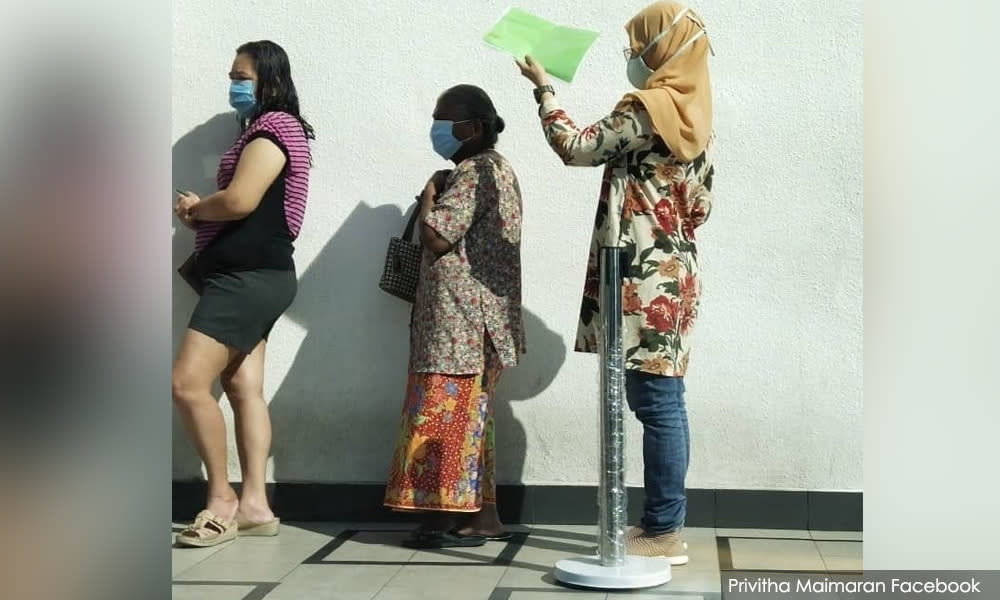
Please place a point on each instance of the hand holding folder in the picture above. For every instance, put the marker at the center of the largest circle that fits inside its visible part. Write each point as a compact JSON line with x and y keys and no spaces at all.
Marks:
{"x":560,"y":49}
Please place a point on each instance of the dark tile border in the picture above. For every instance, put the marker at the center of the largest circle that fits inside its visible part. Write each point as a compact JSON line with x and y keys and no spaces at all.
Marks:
{"x":754,"y":509}
{"x":835,"y":511}
{"x":503,"y":559}
{"x":261,"y":589}
{"x":559,"y":505}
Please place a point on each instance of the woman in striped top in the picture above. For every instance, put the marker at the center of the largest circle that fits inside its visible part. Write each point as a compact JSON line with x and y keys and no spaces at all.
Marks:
{"x":244,"y":262}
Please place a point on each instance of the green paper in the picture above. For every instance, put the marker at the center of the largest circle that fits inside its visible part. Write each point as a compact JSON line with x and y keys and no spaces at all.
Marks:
{"x":560,"y":49}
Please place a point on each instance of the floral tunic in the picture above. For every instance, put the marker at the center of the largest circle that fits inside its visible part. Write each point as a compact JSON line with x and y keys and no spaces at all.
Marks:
{"x":475,"y":288}
{"x":661,"y":200}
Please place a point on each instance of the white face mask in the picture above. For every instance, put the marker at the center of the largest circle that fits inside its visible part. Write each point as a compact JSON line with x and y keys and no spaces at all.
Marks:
{"x":638,"y":72}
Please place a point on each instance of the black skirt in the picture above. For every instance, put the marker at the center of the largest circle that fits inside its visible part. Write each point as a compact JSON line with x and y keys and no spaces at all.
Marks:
{"x":239,"y":308}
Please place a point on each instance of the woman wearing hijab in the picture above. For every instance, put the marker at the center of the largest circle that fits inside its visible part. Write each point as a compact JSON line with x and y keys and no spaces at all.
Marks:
{"x":656,"y":148}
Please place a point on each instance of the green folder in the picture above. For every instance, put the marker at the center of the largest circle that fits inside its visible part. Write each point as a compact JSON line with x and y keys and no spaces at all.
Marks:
{"x":560,"y":49}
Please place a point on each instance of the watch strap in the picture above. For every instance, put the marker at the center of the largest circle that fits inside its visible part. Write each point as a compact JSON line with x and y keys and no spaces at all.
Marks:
{"x":541,"y":90}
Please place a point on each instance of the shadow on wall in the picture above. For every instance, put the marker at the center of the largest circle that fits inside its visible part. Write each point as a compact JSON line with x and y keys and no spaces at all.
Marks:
{"x":195,"y":159}
{"x":336,"y":413}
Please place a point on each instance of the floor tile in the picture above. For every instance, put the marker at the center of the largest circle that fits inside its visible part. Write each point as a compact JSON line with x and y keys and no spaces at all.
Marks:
{"x":334,"y":582}
{"x":851,"y":536}
{"x":703,"y":552}
{"x":544,"y":553}
{"x":841,"y":556}
{"x":251,"y":559}
{"x":395,"y":593}
{"x":373,"y":546}
{"x":840,"y":549}
{"x":699,"y":532}
{"x":482,"y":555}
{"x":182,"y":559}
{"x":210,"y":592}
{"x":843,"y":563}
{"x":793,"y":534}
{"x":684,"y":579}
{"x":419,"y":582}
{"x":324,"y":595}
{"x":795,"y":555}
{"x":578,"y":532}
{"x":377,"y":526}
{"x":561,"y":595}
{"x":528,"y":575}
{"x":302,"y":533}
{"x":661,"y":596}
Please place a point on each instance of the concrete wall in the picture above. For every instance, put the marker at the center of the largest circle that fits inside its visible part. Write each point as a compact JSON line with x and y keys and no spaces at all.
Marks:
{"x":775,"y":385}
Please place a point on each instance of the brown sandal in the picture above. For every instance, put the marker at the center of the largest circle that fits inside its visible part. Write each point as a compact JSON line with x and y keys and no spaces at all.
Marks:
{"x":207,"y":530}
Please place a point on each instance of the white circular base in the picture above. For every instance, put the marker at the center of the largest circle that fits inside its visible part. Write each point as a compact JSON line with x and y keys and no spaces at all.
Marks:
{"x":638,"y":572}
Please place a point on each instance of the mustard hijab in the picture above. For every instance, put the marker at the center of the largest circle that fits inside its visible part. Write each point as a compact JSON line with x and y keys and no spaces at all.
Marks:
{"x":678,"y":94}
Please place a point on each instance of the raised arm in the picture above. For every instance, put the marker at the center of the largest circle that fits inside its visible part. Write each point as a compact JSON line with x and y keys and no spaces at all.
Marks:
{"x":627,"y":128}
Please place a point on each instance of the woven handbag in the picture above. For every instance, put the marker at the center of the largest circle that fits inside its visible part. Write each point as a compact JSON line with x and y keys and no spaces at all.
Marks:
{"x":402,"y":263}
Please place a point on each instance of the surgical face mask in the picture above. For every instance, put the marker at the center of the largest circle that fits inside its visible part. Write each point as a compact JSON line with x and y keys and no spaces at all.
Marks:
{"x":241,"y":97}
{"x":638,"y":72}
{"x":443,"y":139}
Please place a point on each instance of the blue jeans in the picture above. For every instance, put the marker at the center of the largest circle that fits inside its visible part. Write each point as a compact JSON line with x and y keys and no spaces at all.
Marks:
{"x":658,"y":402}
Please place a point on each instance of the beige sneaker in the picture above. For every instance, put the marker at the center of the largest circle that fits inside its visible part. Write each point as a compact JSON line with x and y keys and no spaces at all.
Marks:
{"x":668,"y":545}
{"x":634,"y":532}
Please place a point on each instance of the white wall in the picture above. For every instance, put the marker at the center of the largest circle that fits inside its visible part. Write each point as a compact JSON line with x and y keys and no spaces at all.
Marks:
{"x":775,"y":385}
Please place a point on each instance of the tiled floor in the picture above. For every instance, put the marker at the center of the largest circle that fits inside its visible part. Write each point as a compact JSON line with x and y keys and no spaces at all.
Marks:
{"x":359,"y":561}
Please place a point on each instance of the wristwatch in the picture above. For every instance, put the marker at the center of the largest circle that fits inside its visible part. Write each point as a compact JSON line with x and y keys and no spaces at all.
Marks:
{"x":541,"y":90}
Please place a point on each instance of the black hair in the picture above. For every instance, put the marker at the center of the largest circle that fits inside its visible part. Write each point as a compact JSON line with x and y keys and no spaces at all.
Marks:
{"x":275,"y":89}
{"x":479,"y":108}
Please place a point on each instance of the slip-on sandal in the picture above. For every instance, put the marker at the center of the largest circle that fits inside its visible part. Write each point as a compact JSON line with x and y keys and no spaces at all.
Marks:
{"x":503,"y":536}
{"x":207,"y":530}
{"x":436,"y":540}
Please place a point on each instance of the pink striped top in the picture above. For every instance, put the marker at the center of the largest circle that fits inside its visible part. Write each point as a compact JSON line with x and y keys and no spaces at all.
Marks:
{"x":286,"y":132}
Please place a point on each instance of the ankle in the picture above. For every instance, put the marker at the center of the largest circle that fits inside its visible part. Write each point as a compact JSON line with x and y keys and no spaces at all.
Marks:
{"x":224,"y":497}
{"x":224,"y":507}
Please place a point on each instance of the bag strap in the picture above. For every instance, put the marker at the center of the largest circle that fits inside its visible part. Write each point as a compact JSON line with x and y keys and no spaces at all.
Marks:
{"x":411,"y":224}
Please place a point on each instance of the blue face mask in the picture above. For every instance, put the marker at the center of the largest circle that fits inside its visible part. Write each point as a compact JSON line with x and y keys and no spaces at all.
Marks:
{"x":443,"y":140}
{"x":241,"y":97}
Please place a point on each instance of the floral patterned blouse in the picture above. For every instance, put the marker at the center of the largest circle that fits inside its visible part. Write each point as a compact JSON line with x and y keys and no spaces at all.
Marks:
{"x":661,"y":200}
{"x":475,"y":288}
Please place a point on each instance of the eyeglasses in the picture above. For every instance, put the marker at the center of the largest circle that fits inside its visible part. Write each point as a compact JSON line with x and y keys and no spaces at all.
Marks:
{"x":690,"y":15}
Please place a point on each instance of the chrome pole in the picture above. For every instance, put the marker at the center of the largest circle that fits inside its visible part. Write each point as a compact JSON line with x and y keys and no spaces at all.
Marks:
{"x":612,"y":494}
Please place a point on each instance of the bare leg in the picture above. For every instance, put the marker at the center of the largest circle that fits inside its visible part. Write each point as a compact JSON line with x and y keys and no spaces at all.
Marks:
{"x":200,"y":360}
{"x":243,"y":382}
{"x":485,"y":522}
{"x":438,"y":520}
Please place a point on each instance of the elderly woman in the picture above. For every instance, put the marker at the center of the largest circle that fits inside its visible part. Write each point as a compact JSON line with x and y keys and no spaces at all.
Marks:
{"x":656,"y":149}
{"x":467,"y":327}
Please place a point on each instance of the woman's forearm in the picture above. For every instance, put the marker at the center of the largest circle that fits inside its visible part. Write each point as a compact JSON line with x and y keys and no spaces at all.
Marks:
{"x":219,"y":207}
{"x":431,"y":239}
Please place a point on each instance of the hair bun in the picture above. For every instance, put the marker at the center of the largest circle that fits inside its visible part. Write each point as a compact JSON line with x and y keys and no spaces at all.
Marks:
{"x":498,"y":124}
